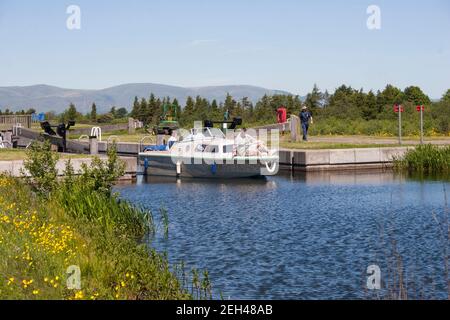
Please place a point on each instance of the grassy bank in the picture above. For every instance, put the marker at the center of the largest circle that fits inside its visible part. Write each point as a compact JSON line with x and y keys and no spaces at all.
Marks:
{"x":123,"y":136}
{"x":426,"y":159}
{"x":378,"y":127}
{"x":331,"y":145}
{"x":47,"y":226}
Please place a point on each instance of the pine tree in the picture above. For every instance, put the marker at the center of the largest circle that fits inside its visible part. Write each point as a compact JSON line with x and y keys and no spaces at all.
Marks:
{"x":314,"y":99}
{"x":177,"y":108}
{"x":390,"y":96}
{"x":201,"y":109}
{"x":215,"y":110}
{"x":113,"y":112}
{"x":188,"y":112}
{"x":158,"y":111}
{"x":230,"y":105}
{"x":153,"y":110}
{"x":93,"y":114}
{"x":446,"y":97}
{"x":369,"y":110}
{"x":143,"y":111}
{"x":263,"y":109}
{"x":416,"y":96}
{"x":136,"y":107}
{"x":247,"y":108}
{"x":71,"y":113}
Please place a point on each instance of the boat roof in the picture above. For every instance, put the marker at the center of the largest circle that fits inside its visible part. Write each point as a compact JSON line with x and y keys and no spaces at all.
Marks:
{"x":204,"y":134}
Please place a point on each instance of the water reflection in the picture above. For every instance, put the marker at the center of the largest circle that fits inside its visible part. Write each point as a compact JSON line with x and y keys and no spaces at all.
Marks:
{"x":375,"y":177}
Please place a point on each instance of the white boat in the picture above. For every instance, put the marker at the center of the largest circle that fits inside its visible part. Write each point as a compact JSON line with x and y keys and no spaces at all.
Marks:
{"x":208,"y":153}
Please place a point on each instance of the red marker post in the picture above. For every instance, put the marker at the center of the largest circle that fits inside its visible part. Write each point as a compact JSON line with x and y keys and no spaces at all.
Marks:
{"x":421,"y":110}
{"x":399,"y":109}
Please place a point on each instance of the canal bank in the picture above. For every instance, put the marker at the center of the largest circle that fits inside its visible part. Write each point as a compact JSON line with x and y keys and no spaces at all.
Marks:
{"x":290,"y":160}
{"x":304,"y":160}
{"x":339,"y":159}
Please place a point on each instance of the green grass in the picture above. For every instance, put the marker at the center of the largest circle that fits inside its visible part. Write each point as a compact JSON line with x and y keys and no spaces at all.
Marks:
{"x":330,"y":145}
{"x":48,"y":227}
{"x":427,"y":159}
{"x":40,"y":240}
{"x":123,"y":136}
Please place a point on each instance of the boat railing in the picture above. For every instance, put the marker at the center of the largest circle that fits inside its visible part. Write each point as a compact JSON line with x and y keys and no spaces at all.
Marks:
{"x":141,"y":142}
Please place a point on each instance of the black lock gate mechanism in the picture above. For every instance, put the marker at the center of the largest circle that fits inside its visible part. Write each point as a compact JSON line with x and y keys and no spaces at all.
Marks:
{"x":61,"y":132}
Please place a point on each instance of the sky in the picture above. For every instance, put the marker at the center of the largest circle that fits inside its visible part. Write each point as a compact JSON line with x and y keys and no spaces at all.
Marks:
{"x":278,"y":44}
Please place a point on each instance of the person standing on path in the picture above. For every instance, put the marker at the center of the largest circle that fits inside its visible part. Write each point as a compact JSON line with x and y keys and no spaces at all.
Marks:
{"x":305,"y":118}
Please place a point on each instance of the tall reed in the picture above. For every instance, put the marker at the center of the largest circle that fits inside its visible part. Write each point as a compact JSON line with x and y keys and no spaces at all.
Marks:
{"x":427,"y":159}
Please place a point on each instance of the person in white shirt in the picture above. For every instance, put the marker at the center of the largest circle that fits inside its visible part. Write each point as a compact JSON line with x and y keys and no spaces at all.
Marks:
{"x":246,"y":145}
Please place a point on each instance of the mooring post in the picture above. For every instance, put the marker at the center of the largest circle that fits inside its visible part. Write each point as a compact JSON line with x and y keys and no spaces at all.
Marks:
{"x":295,"y":128}
{"x":93,"y":145}
{"x":131,"y":126}
{"x":7,"y":137}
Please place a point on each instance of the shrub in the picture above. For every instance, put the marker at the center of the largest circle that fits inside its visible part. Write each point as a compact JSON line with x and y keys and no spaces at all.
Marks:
{"x":40,"y":168}
{"x":51,"y":225}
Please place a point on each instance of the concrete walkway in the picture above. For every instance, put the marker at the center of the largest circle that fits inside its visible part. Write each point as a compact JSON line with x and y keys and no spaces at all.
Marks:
{"x":340,"y":159}
{"x":15,"y":167}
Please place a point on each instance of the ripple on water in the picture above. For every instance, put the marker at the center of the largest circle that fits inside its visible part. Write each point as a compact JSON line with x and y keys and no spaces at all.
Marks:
{"x":306,"y":238}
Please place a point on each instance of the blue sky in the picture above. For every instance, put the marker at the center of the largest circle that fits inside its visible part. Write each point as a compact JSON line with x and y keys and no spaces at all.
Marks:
{"x":284,"y":44}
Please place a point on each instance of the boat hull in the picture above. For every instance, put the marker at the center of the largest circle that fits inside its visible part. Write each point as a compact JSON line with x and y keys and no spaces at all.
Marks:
{"x":161,"y":165}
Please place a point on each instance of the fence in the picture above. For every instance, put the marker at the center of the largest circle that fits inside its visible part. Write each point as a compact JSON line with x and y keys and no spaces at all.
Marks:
{"x":8,"y":122}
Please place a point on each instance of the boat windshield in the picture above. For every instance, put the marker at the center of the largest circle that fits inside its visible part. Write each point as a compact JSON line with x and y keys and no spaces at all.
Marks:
{"x":202,"y":133}
{"x":207,"y":133}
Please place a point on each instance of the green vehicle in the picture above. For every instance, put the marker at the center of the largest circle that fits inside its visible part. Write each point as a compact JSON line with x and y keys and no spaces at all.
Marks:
{"x":168,"y":121}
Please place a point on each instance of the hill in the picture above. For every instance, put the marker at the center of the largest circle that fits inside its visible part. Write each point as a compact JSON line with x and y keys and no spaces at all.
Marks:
{"x":49,"y":98}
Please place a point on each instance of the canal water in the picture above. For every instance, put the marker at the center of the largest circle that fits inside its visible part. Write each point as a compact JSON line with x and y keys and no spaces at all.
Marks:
{"x":307,"y":236}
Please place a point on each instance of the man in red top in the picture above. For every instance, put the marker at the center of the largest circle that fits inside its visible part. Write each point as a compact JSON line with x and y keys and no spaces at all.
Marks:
{"x":282,"y":115}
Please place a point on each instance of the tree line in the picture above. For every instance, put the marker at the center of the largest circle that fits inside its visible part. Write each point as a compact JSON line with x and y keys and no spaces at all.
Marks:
{"x":199,"y":109}
{"x":349,"y":104}
{"x":343,"y":105}
{"x":8,"y":112}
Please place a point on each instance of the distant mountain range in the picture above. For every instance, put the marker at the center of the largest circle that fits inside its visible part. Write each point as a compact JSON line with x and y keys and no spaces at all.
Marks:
{"x":45,"y":98}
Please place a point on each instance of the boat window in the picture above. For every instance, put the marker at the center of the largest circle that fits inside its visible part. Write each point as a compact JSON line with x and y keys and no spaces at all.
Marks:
{"x":216,"y":133}
{"x":212,"y":149}
{"x":206,"y":133}
{"x":228,"y":148}
{"x":200,"y":148}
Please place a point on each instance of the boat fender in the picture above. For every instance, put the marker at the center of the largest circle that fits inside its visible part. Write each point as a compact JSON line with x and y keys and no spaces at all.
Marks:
{"x":271,"y":169}
{"x":178,"y":168}
{"x":214,"y":168}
